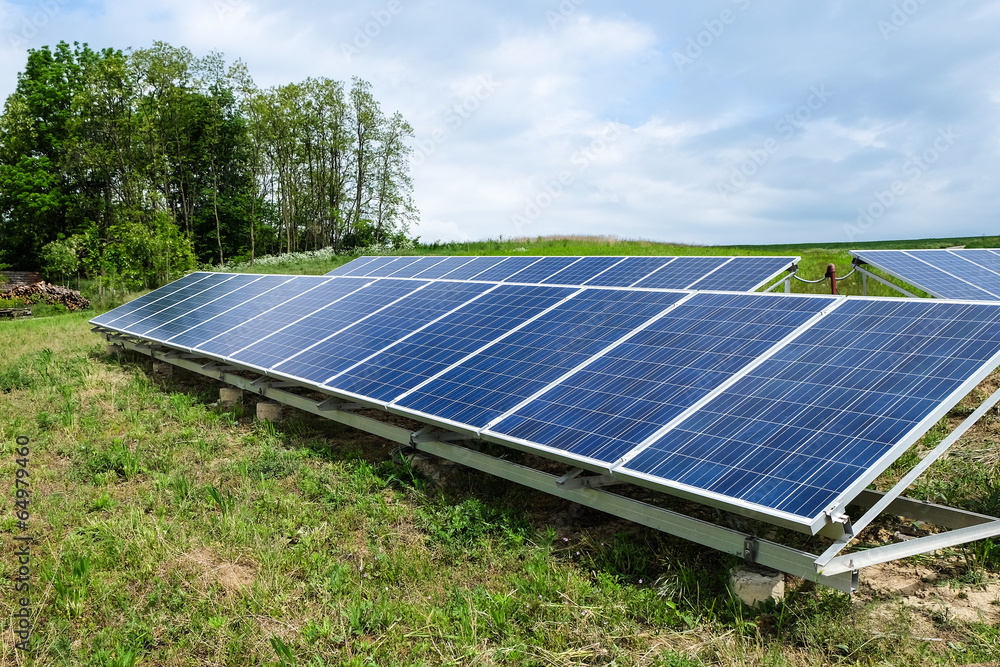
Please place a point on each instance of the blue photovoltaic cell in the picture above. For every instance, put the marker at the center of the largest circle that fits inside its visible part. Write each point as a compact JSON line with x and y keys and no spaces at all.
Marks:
{"x":363,"y":339}
{"x":631,"y":270}
{"x":353,"y":265}
{"x":156,"y":295}
{"x":923,"y":275}
{"x":132,"y":320}
{"x":504,"y":270}
{"x":476,"y":266}
{"x":542,"y":269}
{"x":407,"y":364}
{"x":315,"y":293}
{"x":604,"y":410}
{"x":743,"y":274}
{"x":988,"y":259}
{"x":257,"y":298}
{"x":498,"y":378}
{"x":238,"y":292}
{"x":413,"y":268}
{"x":682,"y":272}
{"x":171,"y":321}
{"x":445,"y":267}
{"x":806,"y":424}
{"x":582,"y":271}
{"x":378,"y":266}
{"x":298,"y":337}
{"x":397,"y":265}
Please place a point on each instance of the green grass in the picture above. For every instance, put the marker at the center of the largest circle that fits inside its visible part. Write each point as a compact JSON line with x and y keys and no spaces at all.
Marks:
{"x":173,"y":532}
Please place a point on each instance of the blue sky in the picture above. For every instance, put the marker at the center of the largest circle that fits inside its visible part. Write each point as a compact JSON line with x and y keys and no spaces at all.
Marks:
{"x":730,"y":121}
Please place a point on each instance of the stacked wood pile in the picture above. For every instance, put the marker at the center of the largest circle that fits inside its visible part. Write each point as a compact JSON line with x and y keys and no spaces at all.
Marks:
{"x":48,"y":293}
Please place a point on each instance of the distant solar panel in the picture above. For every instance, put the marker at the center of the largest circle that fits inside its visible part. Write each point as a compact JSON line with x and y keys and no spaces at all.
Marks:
{"x":947,"y":274}
{"x":686,"y":272}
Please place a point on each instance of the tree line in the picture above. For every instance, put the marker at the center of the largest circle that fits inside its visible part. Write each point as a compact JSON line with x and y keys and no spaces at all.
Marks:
{"x":136,"y":166}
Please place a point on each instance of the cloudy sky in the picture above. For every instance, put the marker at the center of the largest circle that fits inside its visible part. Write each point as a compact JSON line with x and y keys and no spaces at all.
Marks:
{"x":726,"y":121}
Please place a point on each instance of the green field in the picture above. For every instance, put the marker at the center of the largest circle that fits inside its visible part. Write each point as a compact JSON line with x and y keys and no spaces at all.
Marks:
{"x":171,"y":531}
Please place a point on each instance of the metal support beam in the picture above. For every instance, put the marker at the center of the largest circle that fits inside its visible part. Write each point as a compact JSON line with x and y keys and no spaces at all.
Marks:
{"x":869,"y":274}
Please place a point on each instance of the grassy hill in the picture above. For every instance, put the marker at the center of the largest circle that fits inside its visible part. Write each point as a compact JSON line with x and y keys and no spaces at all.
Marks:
{"x":171,"y":531}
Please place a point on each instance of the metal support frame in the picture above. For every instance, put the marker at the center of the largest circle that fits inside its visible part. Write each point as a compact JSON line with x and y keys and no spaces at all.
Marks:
{"x":839,"y":572}
{"x":865,"y":275}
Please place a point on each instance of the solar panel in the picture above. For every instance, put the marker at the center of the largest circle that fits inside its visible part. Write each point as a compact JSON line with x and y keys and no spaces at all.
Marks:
{"x":812,"y":425}
{"x":780,"y":406}
{"x":501,"y":376}
{"x":407,"y":364}
{"x":580,"y":272}
{"x":298,"y":337}
{"x":743,"y":274}
{"x":605,"y":409}
{"x":629,"y":271}
{"x":682,"y":272}
{"x":948,"y":274}
{"x":366,"y":337}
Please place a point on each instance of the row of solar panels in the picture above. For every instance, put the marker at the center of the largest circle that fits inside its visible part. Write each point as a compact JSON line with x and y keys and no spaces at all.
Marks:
{"x":738,"y":274}
{"x":947,"y":274}
{"x":778,"y":406}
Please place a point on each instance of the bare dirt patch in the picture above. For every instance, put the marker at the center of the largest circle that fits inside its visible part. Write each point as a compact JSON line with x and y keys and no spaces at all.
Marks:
{"x":933,"y":589}
{"x":233,"y":577}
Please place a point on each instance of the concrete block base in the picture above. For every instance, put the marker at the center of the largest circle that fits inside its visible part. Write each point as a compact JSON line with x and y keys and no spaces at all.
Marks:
{"x":272,"y":412}
{"x":753,"y":586}
{"x":115,"y":350}
{"x":163,"y":369}
{"x":230,"y":396}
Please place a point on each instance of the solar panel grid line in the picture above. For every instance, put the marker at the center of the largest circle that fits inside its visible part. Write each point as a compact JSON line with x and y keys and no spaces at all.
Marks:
{"x":659,"y":268}
{"x":182,"y":301}
{"x":959,"y":278}
{"x":231,"y":357}
{"x":365,"y":270}
{"x":710,"y":284}
{"x":484,"y":347}
{"x":555,"y":277}
{"x":729,"y":382}
{"x":259,"y":315}
{"x":560,"y":380}
{"x":409,"y":335}
{"x":702,"y":277}
{"x":228,"y":310}
{"x":345,"y":328}
{"x":875,"y":260}
{"x":793,"y":261}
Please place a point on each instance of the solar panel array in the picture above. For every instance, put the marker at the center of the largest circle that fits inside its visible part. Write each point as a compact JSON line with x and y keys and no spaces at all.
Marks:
{"x":737,"y":274}
{"x":948,"y":274}
{"x":773,"y":405}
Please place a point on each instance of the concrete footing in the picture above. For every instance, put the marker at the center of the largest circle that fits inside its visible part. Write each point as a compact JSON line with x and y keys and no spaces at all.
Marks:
{"x":230,"y":396}
{"x":163,"y":369}
{"x":115,"y":350}
{"x":753,"y":586}
{"x":272,"y":412}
